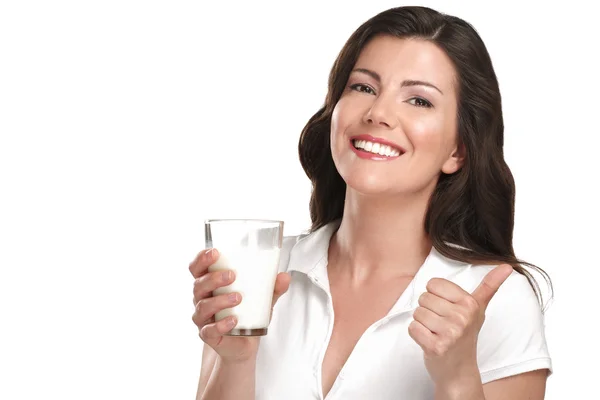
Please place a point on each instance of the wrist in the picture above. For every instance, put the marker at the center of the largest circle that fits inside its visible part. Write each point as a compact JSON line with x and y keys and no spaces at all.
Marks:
{"x":464,"y":384}
{"x":231,"y":380}
{"x":245,"y":362}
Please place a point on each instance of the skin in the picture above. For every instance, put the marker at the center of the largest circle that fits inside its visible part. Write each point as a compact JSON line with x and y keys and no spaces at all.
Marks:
{"x":225,"y":359}
{"x":386,"y":202}
{"x":381,"y":242}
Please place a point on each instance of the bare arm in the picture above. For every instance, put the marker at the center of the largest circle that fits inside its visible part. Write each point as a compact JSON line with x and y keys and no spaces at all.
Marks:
{"x":209,"y":357}
{"x":226,"y":380}
{"x":526,"y":386}
{"x":228,"y":363}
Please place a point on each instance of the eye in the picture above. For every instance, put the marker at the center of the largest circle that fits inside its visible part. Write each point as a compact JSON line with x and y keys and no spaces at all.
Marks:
{"x":359,"y":87}
{"x":420,"y":102}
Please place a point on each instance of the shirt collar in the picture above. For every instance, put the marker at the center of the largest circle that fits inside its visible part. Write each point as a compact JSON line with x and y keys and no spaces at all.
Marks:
{"x":435,"y":266}
{"x":310,"y":256}
{"x":312,"y":251}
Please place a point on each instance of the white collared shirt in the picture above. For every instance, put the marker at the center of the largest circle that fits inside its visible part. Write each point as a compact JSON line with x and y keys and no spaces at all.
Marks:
{"x":386,"y":363}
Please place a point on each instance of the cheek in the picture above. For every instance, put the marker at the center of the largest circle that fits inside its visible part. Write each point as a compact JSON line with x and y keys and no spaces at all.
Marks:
{"x":432,"y":135}
{"x":338,"y":122}
{"x":424,"y":134}
{"x":335,"y":121}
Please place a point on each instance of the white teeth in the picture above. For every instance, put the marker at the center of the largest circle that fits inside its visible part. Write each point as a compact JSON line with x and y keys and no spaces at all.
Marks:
{"x":376,"y":148}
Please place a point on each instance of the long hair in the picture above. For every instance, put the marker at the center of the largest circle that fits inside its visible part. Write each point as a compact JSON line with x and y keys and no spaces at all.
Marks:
{"x":470,"y":215}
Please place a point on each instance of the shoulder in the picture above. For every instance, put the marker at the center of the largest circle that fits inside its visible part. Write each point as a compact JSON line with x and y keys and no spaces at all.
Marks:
{"x":512,"y":339}
{"x":516,"y":290}
{"x":515,"y":299}
{"x":303,"y":251}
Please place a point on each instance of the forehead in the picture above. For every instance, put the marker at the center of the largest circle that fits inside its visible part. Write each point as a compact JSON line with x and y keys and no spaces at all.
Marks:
{"x":407,"y":58}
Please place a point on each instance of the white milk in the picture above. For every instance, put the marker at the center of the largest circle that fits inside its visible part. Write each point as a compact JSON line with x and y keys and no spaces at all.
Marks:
{"x":255,"y":273}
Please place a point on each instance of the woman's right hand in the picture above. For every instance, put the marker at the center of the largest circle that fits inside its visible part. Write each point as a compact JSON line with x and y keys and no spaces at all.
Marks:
{"x":229,"y":348}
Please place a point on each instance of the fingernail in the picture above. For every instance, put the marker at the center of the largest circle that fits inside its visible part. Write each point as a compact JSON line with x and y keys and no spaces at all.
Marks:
{"x":231,"y":322}
{"x":226,"y":276}
{"x":208,"y":256}
{"x":233,"y":297}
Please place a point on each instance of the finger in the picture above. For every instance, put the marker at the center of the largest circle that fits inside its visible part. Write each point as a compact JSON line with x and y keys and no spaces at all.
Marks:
{"x":203,"y":260}
{"x":207,"y":308}
{"x":447,"y":290}
{"x":201,"y":321}
{"x":206,"y":284}
{"x":491,"y":283}
{"x":212,"y":334}
{"x":429,"y":319}
{"x":422,"y":336}
{"x":282,"y":284}
{"x":438,"y":305}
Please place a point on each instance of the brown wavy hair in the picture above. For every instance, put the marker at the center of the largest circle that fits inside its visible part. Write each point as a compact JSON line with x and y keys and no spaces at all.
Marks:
{"x":470,"y":216}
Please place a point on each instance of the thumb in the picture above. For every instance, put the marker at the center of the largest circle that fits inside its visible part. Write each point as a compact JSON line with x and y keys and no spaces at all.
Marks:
{"x":282,"y":283}
{"x":491,"y":283}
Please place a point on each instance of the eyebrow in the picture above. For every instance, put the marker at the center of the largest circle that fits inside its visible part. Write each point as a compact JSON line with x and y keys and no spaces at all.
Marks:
{"x":405,"y":83}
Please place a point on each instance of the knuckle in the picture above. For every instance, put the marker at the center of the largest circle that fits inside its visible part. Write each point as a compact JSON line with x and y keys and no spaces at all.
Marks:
{"x":432,"y":283}
{"x":197,"y":283}
{"x":204,"y":310}
{"x":471,"y":303}
{"x":461,"y":320}
{"x":452,"y":331}
{"x":412,"y":327}
{"x":201,"y":305}
{"x":196,"y":320}
{"x":419,"y":312}
{"x":192,"y":265}
{"x":203,"y":333}
{"x":439,"y":348}
{"x":423,"y":298}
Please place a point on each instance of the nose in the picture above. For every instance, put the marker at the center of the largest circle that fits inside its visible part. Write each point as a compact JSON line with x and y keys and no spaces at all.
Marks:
{"x":381,"y":113}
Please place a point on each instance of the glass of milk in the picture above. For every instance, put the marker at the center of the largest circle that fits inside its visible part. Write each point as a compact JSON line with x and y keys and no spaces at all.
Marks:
{"x":250,"y":248}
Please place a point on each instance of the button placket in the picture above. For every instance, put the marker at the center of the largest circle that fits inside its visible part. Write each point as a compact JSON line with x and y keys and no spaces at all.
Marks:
{"x":322,"y":283}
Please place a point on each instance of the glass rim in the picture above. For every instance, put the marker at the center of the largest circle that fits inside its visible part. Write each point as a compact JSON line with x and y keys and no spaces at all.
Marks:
{"x":253,"y":220}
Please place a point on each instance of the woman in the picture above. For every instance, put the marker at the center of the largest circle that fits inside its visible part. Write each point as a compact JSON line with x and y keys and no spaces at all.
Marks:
{"x":411,"y":242}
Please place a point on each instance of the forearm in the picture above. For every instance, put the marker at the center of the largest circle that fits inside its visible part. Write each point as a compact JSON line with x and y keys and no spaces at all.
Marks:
{"x":468,"y":386}
{"x":234,"y":381}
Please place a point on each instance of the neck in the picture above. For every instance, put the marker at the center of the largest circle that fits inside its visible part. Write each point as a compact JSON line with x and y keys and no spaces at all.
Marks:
{"x":380,"y":237}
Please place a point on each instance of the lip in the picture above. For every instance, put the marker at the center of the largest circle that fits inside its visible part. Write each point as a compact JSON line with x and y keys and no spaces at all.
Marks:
{"x":371,"y":156}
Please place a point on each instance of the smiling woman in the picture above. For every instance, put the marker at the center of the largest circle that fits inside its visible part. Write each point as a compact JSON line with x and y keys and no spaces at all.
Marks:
{"x":407,"y":285}
{"x":393,"y":96}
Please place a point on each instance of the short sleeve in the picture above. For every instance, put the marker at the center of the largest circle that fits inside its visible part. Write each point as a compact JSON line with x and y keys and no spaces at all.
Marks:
{"x":512,"y":339}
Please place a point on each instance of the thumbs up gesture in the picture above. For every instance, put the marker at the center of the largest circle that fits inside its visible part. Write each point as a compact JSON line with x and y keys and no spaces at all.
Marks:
{"x":447,"y":322}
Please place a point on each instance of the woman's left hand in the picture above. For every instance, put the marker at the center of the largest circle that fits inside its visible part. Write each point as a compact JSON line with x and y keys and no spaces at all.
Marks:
{"x":447,"y":322}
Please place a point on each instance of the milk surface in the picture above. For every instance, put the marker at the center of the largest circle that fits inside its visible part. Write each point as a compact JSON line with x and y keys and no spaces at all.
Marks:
{"x":255,"y":273}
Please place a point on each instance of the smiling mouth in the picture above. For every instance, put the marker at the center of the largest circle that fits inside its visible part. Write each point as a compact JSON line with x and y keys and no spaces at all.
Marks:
{"x":376,"y":148}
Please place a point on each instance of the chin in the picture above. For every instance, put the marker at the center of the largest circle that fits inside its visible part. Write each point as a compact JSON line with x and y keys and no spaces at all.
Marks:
{"x":370,"y":184}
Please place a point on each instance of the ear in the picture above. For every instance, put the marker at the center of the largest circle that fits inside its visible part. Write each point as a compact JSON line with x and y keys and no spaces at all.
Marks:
{"x":456,"y":160}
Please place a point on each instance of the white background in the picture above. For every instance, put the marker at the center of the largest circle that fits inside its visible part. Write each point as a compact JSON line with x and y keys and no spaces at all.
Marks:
{"x":124,"y":124}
